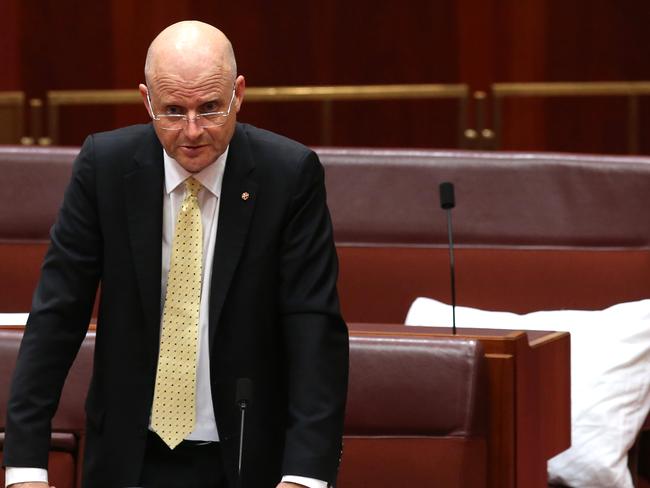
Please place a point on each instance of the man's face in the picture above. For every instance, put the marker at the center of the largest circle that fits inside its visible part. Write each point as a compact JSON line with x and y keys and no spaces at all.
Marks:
{"x":193,"y":146}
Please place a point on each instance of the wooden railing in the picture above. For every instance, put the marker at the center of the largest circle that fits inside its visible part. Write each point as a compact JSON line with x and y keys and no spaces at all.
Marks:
{"x":480,"y":114}
{"x":326,"y":95}
{"x":631,"y":90}
{"x":12,"y":107}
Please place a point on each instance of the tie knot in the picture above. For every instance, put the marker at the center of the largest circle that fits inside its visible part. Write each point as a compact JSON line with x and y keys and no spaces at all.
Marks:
{"x":192,"y":187}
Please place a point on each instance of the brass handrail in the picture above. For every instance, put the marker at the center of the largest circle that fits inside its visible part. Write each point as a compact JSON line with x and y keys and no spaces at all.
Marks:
{"x":57,"y":98}
{"x":275,"y":94}
{"x":324,"y":94}
{"x":630,"y":89}
{"x":571,"y":89}
{"x":14,"y":101}
{"x":355,"y":92}
{"x":12,"y":98}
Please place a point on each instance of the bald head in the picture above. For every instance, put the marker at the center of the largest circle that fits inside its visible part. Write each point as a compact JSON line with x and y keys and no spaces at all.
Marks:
{"x":189,"y":48}
{"x":191,"y":71}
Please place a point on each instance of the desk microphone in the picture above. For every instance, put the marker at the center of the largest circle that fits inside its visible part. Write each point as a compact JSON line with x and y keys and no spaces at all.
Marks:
{"x":243,"y":397}
{"x":447,"y":202}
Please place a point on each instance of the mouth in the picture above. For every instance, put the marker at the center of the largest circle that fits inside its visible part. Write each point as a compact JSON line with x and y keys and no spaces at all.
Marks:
{"x":192,"y":150}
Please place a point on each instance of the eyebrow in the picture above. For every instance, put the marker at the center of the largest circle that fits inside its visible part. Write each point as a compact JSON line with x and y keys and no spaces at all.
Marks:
{"x":217,"y":100}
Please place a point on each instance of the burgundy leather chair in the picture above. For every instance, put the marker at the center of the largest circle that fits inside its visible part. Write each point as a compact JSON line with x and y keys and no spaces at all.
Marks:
{"x":416,"y":413}
{"x":68,"y":425}
{"x":33,"y":181}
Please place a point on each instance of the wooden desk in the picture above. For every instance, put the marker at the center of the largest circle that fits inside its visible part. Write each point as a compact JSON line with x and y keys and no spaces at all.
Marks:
{"x":530,"y":398}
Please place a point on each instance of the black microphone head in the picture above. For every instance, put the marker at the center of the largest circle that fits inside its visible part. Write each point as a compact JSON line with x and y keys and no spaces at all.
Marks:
{"x":447,"y":199}
{"x":244,"y":392}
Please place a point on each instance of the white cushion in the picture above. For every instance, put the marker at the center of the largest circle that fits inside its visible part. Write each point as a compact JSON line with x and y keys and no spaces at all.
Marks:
{"x":13,"y":318}
{"x":610,"y":380}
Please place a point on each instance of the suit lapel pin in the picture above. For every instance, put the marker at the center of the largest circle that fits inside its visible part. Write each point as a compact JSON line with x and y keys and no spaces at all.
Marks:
{"x":245,"y":196}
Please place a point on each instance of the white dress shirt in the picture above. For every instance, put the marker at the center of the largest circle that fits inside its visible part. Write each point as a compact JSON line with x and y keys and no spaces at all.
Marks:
{"x":211,"y":178}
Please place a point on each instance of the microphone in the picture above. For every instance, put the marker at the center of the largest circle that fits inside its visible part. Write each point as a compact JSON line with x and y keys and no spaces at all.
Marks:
{"x":243,"y":396}
{"x":447,"y":202}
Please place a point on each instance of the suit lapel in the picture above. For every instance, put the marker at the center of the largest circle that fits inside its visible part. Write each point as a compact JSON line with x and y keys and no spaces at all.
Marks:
{"x":238,"y":196}
{"x":144,"y":199}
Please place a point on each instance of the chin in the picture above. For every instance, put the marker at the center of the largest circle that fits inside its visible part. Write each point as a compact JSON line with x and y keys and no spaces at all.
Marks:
{"x":195,"y":165}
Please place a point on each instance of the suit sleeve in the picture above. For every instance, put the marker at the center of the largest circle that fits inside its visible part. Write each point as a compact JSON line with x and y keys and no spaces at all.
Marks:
{"x":61,"y":310}
{"x":315,"y":334}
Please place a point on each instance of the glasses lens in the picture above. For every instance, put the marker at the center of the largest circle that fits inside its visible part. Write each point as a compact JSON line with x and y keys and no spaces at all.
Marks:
{"x":171,"y":122}
{"x":210,"y":120}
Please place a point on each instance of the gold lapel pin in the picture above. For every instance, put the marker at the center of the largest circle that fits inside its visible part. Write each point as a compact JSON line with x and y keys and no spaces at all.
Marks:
{"x":245,"y":196}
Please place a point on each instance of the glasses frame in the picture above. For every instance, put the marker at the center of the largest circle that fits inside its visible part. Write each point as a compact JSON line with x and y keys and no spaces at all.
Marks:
{"x":197,"y":118}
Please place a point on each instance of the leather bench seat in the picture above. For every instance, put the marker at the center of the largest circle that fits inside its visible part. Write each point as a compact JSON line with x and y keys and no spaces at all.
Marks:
{"x":397,"y":421}
{"x":68,"y":425}
{"x":416,"y":411}
{"x":34,"y":179}
{"x":533,"y":231}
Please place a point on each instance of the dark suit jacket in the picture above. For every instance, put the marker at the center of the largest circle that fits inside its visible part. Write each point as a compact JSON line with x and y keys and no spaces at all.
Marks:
{"x":274,"y":312}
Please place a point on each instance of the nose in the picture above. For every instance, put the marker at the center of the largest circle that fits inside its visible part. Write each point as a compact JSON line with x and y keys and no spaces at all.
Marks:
{"x":192,"y":129}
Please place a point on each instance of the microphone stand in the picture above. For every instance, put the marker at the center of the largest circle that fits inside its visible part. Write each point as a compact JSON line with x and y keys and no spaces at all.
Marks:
{"x":244,"y":395}
{"x":242,"y":411}
{"x":452,"y":269}
{"x":447,"y":202}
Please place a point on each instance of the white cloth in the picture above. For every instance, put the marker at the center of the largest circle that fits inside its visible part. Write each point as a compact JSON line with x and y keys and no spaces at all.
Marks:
{"x":13,"y":318}
{"x":610,"y":387}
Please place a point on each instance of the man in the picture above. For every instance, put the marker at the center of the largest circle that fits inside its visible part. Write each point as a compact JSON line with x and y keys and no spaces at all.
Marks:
{"x":247,"y":289}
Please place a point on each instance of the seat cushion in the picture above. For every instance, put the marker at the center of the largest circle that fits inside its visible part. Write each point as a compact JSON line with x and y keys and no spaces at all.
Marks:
{"x":385,"y":462}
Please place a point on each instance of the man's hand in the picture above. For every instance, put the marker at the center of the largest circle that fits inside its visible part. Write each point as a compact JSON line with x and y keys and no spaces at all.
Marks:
{"x":31,"y":484}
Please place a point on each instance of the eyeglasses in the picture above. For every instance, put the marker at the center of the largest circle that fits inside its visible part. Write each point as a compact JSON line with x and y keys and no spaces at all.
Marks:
{"x":179,"y":121}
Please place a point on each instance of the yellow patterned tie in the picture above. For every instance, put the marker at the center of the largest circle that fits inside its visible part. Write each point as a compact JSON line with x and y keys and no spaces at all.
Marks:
{"x":173,"y":411}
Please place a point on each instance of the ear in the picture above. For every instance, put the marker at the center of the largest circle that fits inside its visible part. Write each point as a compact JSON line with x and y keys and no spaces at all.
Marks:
{"x":142,"y":88}
{"x":240,"y":88}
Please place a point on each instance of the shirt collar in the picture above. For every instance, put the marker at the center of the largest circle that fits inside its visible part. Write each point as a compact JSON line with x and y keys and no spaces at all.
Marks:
{"x":210,"y":177}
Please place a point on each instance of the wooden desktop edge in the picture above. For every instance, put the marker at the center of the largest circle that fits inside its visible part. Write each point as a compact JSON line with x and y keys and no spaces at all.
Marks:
{"x":536,"y":338}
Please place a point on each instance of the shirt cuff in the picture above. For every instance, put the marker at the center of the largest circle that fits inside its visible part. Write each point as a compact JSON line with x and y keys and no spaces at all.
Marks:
{"x":308,"y":482}
{"x":24,"y":475}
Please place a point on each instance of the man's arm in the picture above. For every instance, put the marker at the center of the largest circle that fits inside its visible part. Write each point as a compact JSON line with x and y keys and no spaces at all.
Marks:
{"x":315,"y":335}
{"x":58,"y":321}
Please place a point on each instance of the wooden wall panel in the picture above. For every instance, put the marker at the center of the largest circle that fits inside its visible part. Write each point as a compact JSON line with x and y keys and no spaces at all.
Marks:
{"x":10,"y":45}
{"x":385,"y":42}
{"x":11,"y":125}
{"x":521,"y":33}
{"x":603,"y":41}
{"x":478,"y":55}
{"x":67,"y":45}
{"x":576,"y":41}
{"x":644,"y":129}
{"x":70,"y":44}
